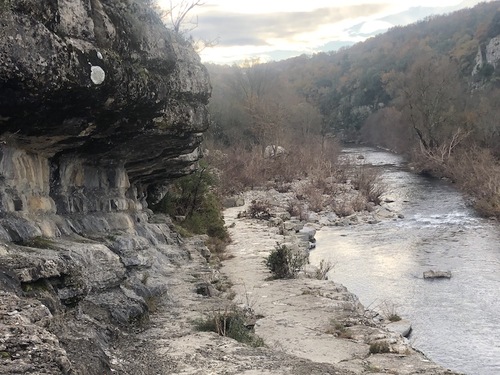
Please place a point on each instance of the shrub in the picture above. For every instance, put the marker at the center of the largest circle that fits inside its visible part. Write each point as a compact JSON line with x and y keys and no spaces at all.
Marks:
{"x":389,"y":311}
{"x":379,"y":347}
{"x":323,"y":269}
{"x":314,"y":197}
{"x":339,"y":330}
{"x":230,"y":322}
{"x":367,"y":181}
{"x":342,"y":208}
{"x":260,"y":210}
{"x":238,"y":168}
{"x":194,"y":198}
{"x":358,"y":202}
{"x":244,"y":167}
{"x":285,"y":263}
{"x":394,"y":318}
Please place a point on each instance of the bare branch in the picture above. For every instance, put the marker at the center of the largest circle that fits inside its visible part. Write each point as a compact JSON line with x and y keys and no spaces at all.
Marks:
{"x":178,"y":13}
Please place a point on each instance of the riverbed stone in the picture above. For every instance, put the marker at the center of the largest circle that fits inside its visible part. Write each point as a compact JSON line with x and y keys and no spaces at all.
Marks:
{"x":431,"y":274}
{"x":403,"y":327}
{"x":307,"y":233}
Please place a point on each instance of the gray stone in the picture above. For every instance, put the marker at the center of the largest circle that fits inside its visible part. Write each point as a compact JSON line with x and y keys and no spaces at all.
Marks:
{"x":437,"y":274}
{"x":235,"y":201}
{"x":307,"y":233}
{"x":30,"y":347}
{"x":403,"y":327}
{"x":293,"y":225}
{"x":273,"y":151}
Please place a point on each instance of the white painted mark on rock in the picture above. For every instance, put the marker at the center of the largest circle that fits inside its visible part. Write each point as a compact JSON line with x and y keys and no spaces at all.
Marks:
{"x":97,"y":75}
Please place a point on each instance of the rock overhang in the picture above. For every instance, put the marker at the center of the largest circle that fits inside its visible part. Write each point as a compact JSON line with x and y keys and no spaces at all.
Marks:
{"x":101,"y":79}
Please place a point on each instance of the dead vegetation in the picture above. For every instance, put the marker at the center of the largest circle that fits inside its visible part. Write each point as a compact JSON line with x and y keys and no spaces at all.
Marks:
{"x":327,"y":182}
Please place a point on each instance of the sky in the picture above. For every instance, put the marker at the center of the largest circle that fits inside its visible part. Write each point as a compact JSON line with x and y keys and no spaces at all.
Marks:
{"x":279,"y":29}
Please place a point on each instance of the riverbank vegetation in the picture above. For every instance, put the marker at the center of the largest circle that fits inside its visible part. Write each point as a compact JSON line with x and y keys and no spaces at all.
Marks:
{"x":429,"y":91}
{"x":285,"y":262}
{"x":195,"y":205}
{"x":232,"y":322}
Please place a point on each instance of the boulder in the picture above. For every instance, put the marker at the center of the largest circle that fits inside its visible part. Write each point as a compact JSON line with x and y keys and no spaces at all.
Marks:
{"x":234,"y":201}
{"x":437,"y":274}
{"x":403,"y":327}
{"x":307,"y":233}
{"x":273,"y":151}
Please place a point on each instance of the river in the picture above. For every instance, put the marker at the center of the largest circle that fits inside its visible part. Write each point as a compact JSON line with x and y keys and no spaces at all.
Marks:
{"x":456,"y":322}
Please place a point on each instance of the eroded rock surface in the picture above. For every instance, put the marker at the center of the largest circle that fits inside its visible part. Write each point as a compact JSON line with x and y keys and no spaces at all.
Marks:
{"x":99,"y":102}
{"x":100,"y":106}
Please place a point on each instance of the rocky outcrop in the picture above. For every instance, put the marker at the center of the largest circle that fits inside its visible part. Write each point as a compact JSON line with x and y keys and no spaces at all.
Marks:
{"x":493,"y":51}
{"x":98,"y":103}
{"x":488,"y":54}
{"x":100,"y":106}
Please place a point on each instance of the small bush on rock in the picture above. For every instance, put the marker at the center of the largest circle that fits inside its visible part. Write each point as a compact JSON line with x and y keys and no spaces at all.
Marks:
{"x":314,"y":197}
{"x":260,"y":210}
{"x":339,"y":330}
{"x":323,"y":269}
{"x":389,"y":311}
{"x":285,"y":263}
{"x":379,"y":347}
{"x":230,"y":322}
{"x":367,"y":182}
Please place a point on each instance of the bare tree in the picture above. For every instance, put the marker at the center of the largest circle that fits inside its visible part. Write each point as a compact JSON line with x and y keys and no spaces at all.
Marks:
{"x":178,"y":12}
{"x":430,"y":95}
{"x":175,"y":16}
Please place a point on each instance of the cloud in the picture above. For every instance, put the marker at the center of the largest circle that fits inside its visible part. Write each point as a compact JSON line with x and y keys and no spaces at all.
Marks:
{"x":259,"y":29}
{"x":277,"y":29}
{"x":371,"y":27}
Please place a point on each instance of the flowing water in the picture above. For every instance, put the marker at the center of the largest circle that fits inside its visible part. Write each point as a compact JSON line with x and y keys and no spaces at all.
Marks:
{"x":456,"y":322}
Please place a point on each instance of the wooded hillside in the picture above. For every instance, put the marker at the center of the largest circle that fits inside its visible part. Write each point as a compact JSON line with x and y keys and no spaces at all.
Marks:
{"x":429,"y":90}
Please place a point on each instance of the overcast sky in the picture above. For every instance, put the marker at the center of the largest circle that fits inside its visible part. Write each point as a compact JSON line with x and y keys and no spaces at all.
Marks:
{"x":278,"y":29}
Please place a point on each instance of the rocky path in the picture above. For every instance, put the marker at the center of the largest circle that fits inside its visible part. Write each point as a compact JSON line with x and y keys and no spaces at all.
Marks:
{"x":170,"y":344}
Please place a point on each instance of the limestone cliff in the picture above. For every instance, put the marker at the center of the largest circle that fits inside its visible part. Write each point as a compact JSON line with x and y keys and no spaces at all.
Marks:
{"x":97,"y":100}
{"x":100,"y":105}
{"x":487,"y":54}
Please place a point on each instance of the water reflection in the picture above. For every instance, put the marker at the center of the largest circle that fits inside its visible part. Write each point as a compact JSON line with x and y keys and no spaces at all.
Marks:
{"x":456,"y":321}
